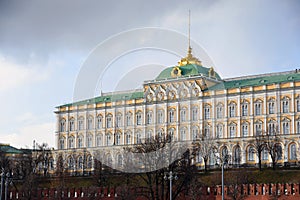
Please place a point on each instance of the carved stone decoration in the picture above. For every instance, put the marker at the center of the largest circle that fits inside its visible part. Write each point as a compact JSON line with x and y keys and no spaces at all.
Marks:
{"x":183,"y":93}
{"x":149,"y":97}
{"x":195,"y":92}
{"x":171,"y":95}
{"x":160,"y":96}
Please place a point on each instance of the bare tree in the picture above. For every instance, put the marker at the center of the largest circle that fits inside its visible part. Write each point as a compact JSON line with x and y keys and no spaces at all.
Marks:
{"x":42,"y":157}
{"x":259,"y":143}
{"x":204,"y":146}
{"x":156,"y":157}
{"x":272,"y":140}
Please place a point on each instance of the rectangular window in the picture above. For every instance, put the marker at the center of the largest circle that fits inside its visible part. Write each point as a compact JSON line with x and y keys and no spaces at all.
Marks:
{"x":195,"y":114}
{"x":90,"y":124}
{"x":139,"y":119}
{"x":286,"y":128}
{"x":160,"y":117}
{"x":109,"y":122}
{"x":232,"y":111}
{"x":80,"y":124}
{"x":183,"y":115}
{"x":171,"y":116}
{"x":72,"y":125}
{"x":219,"y":112}
{"x":245,"y":130}
{"x":219,"y":131}
{"x":128,"y":120}
{"x":245,"y":110}
{"x":232,"y":131}
{"x":206,"y":113}
{"x":257,"y":109}
{"x":298,"y":105}
{"x":285,"y":106}
{"x":271,"y":107}
{"x":119,"y":121}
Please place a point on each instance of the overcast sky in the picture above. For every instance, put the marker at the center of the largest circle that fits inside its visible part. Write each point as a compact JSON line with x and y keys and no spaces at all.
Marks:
{"x":44,"y":46}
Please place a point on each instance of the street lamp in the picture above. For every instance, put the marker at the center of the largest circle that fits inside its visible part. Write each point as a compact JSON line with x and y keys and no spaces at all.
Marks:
{"x":170,"y":175}
{"x":224,"y":158}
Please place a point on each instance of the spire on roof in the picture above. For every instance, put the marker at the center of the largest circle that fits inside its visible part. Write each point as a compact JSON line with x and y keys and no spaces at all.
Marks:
{"x":189,"y":59}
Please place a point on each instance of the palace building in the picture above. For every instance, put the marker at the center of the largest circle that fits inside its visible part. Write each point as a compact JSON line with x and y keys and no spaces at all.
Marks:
{"x":185,"y":101}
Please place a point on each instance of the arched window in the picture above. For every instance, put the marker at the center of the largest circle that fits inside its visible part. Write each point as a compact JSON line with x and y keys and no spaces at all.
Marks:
{"x":219,"y":131}
{"x":194,"y":113}
{"x":172,"y":115}
{"x":207,"y":112}
{"x":160,"y":117}
{"x":108,"y":139}
{"x":89,"y":140}
{"x":80,"y":162}
{"x":195,"y":133}
{"x":149,"y":117}
{"x":90,"y":123}
{"x":206,"y":131}
{"x":251,"y":152}
{"x":278,"y":151}
{"x":224,"y":152}
{"x":231,"y":109}
{"x":219,"y":111}
{"x":245,"y":130}
{"x":109,"y":121}
{"x":183,"y":115}
{"x":265,"y":154}
{"x":128,"y":138}
{"x":258,"y":107}
{"x":81,"y":123}
{"x":71,"y":142}
{"x":118,"y":139}
{"x":62,"y":125}
{"x":149,"y":136}
{"x":139,"y":118}
{"x":119,"y":120}
{"x":293,"y":152}
{"x":232,"y":130}
{"x":298,"y":105}
{"x":237,"y":155}
{"x":298,"y":126}
{"x":258,"y":128}
{"x":271,"y":106}
{"x":99,"y":122}
{"x":89,"y":162}
{"x":183,"y":134}
{"x":171,"y":134}
{"x":72,"y":124}
{"x":109,"y":160}
{"x":138,"y":138}
{"x":120,"y":160}
{"x":285,"y":105}
{"x":286,"y":127}
{"x":80,"y":141}
{"x":245,"y":108}
{"x":128,"y":119}
{"x":99,"y":140}
{"x":160,"y":135}
{"x":271,"y":127}
{"x":71,"y":163}
{"x":61,"y":143}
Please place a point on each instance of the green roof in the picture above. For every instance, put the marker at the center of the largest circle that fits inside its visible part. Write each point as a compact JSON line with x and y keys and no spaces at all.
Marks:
{"x":9,"y":149}
{"x":186,"y":70}
{"x":109,"y":98}
{"x":257,"y":81}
